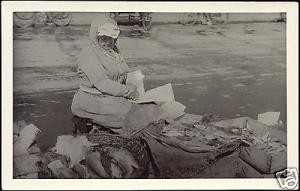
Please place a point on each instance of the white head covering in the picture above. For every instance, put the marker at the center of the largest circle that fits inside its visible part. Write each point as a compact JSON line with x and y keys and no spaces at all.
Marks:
{"x":103,"y":25}
{"x":108,"y":29}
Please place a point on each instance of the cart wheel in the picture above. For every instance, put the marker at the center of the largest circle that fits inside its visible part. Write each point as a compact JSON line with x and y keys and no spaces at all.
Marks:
{"x":24,"y":19}
{"x":189,"y":18}
{"x":25,"y":15}
{"x":147,"y":25}
{"x":64,"y":19}
{"x":60,"y":18}
{"x":147,"y":22}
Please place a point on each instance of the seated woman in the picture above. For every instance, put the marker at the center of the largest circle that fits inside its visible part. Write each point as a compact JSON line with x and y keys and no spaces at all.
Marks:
{"x":103,"y":96}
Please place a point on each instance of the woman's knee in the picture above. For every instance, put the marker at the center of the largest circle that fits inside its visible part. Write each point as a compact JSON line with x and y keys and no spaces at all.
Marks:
{"x":75,"y":107}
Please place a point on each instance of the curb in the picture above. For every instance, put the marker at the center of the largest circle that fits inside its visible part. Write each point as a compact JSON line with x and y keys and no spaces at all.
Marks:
{"x":275,"y":20}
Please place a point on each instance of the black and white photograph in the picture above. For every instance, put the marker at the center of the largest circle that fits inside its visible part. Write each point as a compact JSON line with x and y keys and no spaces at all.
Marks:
{"x":146,"y":94}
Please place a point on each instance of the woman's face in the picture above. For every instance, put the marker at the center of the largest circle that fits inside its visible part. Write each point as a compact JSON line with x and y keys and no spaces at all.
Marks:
{"x":106,"y":42}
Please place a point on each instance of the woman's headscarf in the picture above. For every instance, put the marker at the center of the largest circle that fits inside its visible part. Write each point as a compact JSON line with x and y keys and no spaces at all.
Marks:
{"x":98,"y":22}
{"x":95,"y":55}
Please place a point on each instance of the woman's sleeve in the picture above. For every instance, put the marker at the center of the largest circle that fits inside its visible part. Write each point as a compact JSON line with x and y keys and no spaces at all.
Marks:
{"x":127,"y":69}
{"x":98,"y":78}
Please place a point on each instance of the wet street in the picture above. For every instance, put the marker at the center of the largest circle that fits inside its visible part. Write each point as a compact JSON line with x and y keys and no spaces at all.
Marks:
{"x":230,"y":70}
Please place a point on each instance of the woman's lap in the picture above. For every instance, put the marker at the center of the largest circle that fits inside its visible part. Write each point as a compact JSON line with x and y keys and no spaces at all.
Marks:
{"x":106,"y":110}
{"x":114,"y":112}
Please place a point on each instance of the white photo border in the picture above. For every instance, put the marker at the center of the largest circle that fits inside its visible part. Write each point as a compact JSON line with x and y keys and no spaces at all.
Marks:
{"x":8,"y":7}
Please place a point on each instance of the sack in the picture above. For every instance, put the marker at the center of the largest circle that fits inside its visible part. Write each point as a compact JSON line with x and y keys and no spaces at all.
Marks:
{"x":130,"y":155}
{"x":174,"y":158}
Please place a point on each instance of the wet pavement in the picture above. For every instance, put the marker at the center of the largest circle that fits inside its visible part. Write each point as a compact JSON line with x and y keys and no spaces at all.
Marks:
{"x":229,"y":70}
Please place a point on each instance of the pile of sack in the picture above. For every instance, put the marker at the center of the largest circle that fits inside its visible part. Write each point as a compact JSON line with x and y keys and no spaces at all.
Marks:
{"x":95,"y":156}
{"x":26,"y":153}
{"x":191,"y":146}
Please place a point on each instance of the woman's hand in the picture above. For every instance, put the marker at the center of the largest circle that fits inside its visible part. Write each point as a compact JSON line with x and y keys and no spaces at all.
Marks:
{"x":132,"y":92}
{"x":122,"y":78}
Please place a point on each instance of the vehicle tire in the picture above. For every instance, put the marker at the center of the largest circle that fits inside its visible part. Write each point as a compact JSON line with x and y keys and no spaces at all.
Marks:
{"x":25,"y":15}
{"x":24,"y":19}
{"x":60,"y":18}
{"x":189,"y":19}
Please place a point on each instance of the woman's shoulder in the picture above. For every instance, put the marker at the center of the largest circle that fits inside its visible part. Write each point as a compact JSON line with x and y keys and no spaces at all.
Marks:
{"x":86,"y":53}
{"x":85,"y":56}
{"x":85,"y":50}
